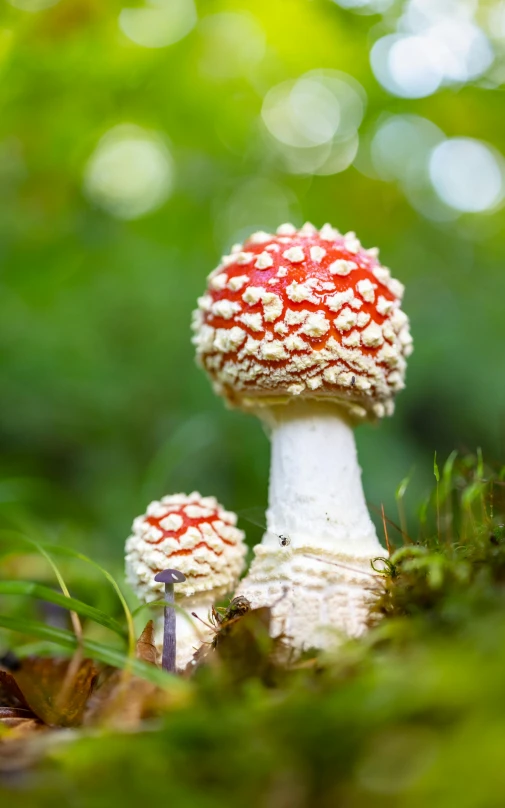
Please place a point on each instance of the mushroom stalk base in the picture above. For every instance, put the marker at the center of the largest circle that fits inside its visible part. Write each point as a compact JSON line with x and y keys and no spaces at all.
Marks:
{"x":319,"y":584}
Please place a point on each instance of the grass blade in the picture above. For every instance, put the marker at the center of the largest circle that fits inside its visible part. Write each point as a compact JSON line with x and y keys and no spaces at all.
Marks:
{"x":59,"y":577}
{"x":155,"y":603}
{"x":45,"y":549}
{"x":34,"y":590}
{"x":67,"y":551}
{"x":34,"y":628}
{"x":399,"y":496}
{"x":95,"y":650}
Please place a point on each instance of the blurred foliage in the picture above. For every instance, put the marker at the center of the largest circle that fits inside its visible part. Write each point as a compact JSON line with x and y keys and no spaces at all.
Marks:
{"x":102,"y":405}
{"x":410,"y":715}
{"x":407,"y":725}
{"x":103,"y":409}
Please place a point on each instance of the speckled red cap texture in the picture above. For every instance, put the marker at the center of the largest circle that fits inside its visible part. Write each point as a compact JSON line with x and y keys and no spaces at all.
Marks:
{"x":189,"y":533}
{"x":304,"y":313}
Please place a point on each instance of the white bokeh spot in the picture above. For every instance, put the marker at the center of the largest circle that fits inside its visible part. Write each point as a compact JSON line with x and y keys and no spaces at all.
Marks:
{"x":301,"y":113}
{"x":436,"y":43}
{"x":405,"y":66}
{"x":130,"y":173}
{"x":467,"y":175}
{"x":401,"y":146}
{"x":159,"y":23}
{"x":313,"y":121}
{"x":365,"y":6}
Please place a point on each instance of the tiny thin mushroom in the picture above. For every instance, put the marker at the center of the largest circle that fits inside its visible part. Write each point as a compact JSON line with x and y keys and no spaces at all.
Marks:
{"x":169,"y":578}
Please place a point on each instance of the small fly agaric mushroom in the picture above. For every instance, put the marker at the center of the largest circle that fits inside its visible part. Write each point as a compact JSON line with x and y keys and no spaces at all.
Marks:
{"x":197,"y":537}
{"x":304,"y":328}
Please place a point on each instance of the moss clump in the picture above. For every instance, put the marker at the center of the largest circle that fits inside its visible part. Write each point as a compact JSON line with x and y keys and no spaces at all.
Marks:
{"x":457,"y":563}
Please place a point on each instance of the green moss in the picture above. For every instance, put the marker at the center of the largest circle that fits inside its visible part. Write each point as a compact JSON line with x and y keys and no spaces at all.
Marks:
{"x":457,"y":564}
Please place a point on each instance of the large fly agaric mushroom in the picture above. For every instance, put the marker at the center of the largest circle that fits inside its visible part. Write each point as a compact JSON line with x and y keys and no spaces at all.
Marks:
{"x":197,"y":537}
{"x":304,"y":329}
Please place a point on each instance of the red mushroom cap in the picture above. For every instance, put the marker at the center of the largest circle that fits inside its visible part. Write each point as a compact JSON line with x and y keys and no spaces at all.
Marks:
{"x":304,"y":313}
{"x":188,"y":533}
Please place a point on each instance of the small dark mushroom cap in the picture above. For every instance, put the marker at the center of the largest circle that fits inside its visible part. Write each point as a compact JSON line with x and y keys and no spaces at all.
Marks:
{"x":170,"y":577}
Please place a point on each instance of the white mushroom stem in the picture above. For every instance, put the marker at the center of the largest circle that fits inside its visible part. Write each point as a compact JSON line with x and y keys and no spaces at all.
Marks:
{"x":190,"y":631}
{"x":316,"y":500}
{"x":315,"y":493}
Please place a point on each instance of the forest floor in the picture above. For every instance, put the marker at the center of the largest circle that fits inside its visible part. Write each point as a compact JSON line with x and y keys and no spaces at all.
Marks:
{"x":411,"y":714}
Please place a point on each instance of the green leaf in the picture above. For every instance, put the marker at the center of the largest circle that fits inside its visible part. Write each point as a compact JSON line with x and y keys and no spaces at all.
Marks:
{"x":41,"y":630}
{"x":34,"y":590}
{"x":472,"y":493}
{"x":404,"y":484}
{"x":38,"y":648}
{"x":449,"y":465}
{"x":448,"y":471}
{"x":59,"y":577}
{"x":67,"y":551}
{"x":480,"y":464}
{"x":95,"y":650}
{"x":423,"y":510}
{"x":435,"y":468}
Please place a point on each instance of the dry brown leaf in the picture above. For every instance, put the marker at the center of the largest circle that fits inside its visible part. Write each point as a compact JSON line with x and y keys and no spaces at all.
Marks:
{"x":22,"y":724}
{"x":65,"y":693}
{"x":8,"y":714}
{"x":10,"y":694}
{"x":16,"y":719}
{"x":121,"y":699}
{"x":57,"y":690}
{"x":146,"y":649}
{"x":244,"y":646}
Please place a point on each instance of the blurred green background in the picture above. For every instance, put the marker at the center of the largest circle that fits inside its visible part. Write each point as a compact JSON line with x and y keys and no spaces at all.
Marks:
{"x":138,"y":143}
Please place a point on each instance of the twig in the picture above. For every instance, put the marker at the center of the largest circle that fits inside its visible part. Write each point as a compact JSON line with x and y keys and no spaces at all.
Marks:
{"x":338,"y":564}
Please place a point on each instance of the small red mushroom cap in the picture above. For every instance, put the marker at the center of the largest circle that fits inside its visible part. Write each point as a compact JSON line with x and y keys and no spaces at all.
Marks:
{"x":191,"y":534}
{"x":307,"y":313}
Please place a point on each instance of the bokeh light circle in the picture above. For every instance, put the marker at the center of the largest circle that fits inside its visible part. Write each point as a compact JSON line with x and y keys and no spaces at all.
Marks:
{"x":130,"y":172}
{"x":467,"y":175}
{"x":420,"y":15}
{"x":437,"y":42}
{"x":463,"y":51}
{"x":406,"y":66}
{"x":158,"y":24}
{"x":301,"y":113}
{"x":365,"y":6}
{"x":313,"y":121}
{"x":256,"y":203}
{"x":401,"y":146}
{"x":233,"y":43}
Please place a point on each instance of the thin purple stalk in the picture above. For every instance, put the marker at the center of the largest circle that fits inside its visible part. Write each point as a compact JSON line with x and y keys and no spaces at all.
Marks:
{"x":169,"y":636}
